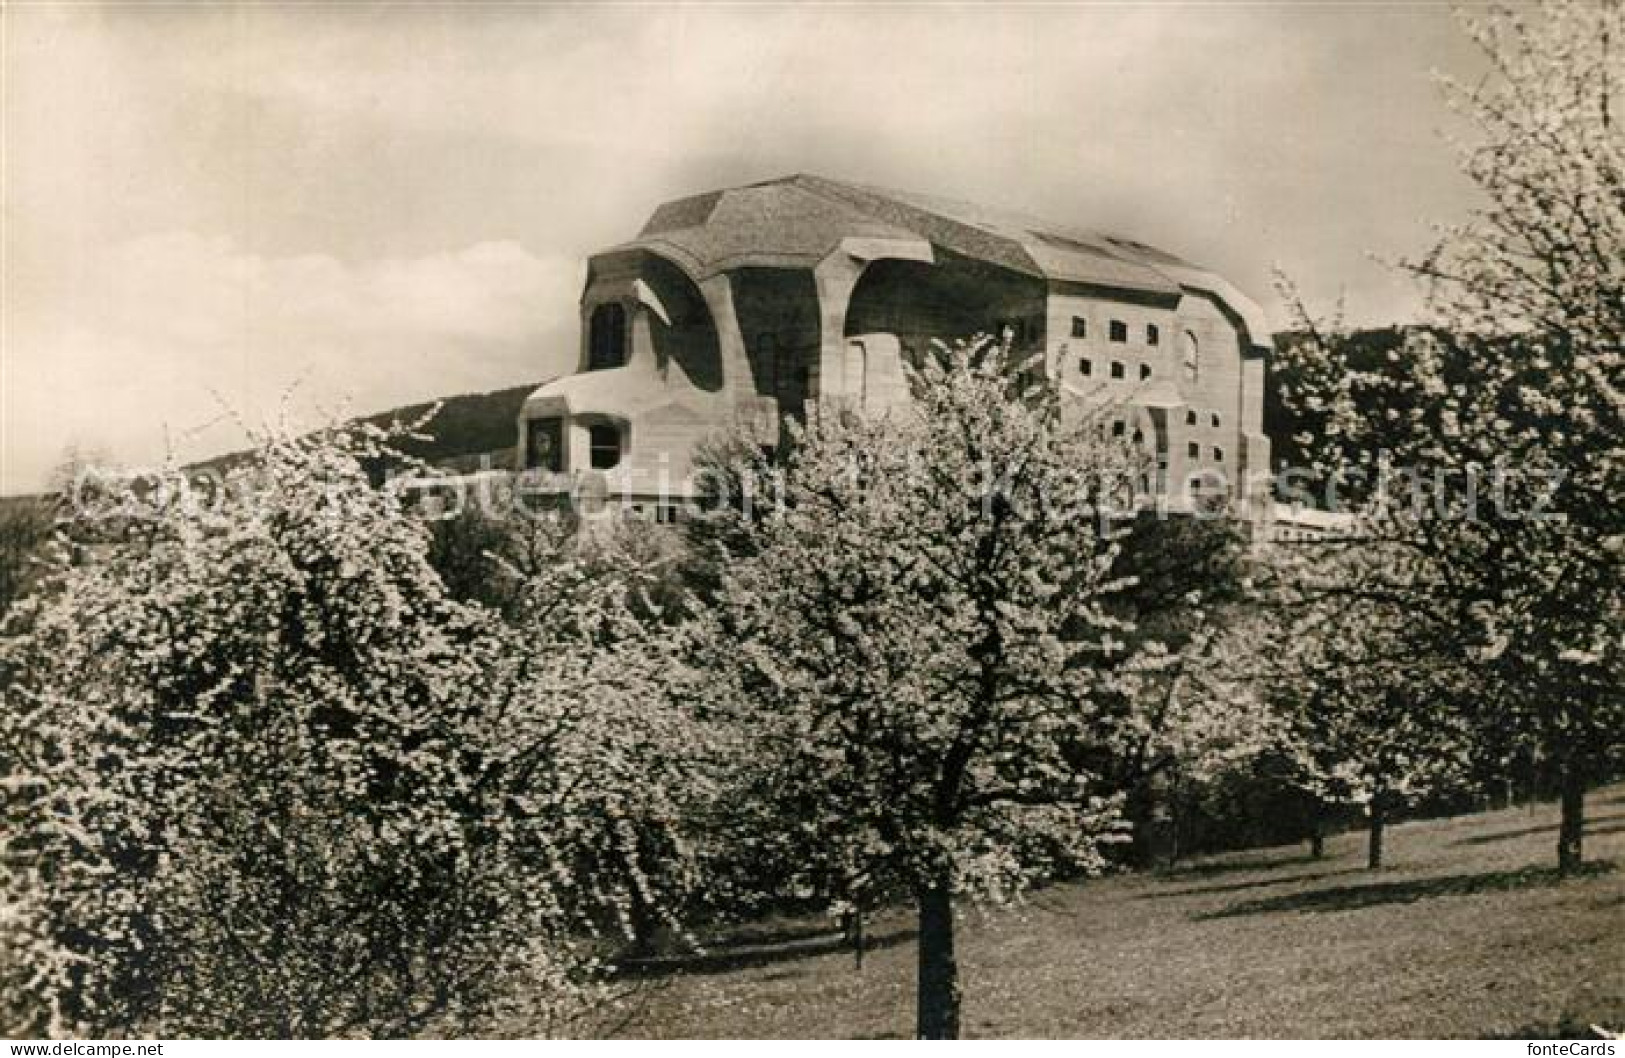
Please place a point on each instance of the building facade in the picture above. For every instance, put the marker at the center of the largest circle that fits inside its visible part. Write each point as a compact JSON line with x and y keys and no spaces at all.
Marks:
{"x":757,"y":304}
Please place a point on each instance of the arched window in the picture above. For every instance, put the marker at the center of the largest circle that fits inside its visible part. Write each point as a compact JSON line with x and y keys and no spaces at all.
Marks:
{"x":606,"y":337}
{"x":1192,"y":355}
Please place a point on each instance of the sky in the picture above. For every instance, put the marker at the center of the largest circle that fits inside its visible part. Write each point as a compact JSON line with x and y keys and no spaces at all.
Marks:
{"x":217,"y":217}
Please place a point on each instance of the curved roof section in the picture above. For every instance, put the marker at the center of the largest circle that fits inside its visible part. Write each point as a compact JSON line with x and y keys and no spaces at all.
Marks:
{"x":796,"y":221}
{"x":619,"y":392}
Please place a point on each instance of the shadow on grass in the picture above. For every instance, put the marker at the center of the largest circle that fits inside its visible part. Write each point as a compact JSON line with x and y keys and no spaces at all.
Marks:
{"x":1213,"y":870}
{"x":1591,"y":828}
{"x":1236,"y":887}
{"x":1354,"y":897}
{"x":737,"y":957}
{"x":751,"y":937}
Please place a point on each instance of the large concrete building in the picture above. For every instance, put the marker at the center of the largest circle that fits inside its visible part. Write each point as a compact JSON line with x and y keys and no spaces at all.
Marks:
{"x":755,"y":304}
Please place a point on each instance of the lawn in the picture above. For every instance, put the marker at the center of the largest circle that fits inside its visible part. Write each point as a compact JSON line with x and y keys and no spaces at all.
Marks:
{"x":1467,"y":933}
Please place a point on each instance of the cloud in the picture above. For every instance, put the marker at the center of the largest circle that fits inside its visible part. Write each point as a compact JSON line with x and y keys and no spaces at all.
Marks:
{"x":161,"y":335}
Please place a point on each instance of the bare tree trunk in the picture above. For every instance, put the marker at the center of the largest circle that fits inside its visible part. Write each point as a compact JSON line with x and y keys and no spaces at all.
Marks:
{"x":1173,"y":828}
{"x":937,"y":1002}
{"x":1571,"y":832}
{"x":1379,"y":813}
{"x":1140,"y":810}
{"x":857,"y":938}
{"x":1317,"y":832}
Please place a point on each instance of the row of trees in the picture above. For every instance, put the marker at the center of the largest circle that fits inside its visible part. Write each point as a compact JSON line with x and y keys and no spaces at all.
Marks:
{"x":1484,"y":453}
{"x":315,"y":761}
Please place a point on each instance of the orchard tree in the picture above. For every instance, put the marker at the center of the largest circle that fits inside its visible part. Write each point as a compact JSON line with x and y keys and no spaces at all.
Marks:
{"x":592,"y":602}
{"x":1487,"y":452}
{"x":1186,"y":709}
{"x":261,"y":776}
{"x":587,"y":609}
{"x":913,"y":639}
{"x":1193,"y":714}
{"x":1369,"y":706}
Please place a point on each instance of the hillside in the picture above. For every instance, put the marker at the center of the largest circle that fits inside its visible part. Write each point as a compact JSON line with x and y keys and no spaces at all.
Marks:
{"x":1468,"y":934}
{"x":467,"y":426}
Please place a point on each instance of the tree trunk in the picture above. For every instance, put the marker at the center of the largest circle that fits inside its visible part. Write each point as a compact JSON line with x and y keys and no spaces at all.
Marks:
{"x":1140,"y":811}
{"x":857,"y":938}
{"x":937,"y":1002}
{"x":1317,"y":830}
{"x":1571,"y":832}
{"x":1379,"y":812}
{"x":1173,"y":834}
{"x":645,"y":928}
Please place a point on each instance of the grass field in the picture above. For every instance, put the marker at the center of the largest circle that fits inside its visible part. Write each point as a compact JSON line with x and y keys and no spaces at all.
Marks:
{"x":1468,"y":933}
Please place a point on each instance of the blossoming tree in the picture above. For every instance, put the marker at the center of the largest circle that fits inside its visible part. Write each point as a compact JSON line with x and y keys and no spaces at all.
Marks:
{"x":261,"y":776}
{"x":1488,"y":448}
{"x":912,"y":636}
{"x":1368,"y":707}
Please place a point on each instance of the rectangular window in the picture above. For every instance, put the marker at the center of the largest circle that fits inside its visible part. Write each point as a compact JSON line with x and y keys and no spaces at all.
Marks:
{"x":1193,"y":450}
{"x":1117,"y":369}
{"x":1080,"y":327}
{"x":606,"y":337}
{"x":1218,"y":455}
{"x":1145,"y":371}
{"x":1215,"y":418}
{"x":1190,"y":417}
{"x":1117,"y":428}
{"x":604,"y":444}
{"x":1152,"y":335}
{"x":1086,"y":367}
{"x":1119,"y":331}
{"x":544,"y":445}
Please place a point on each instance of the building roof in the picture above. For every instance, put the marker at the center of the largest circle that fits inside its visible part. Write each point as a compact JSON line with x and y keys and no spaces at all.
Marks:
{"x":796,"y":221}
